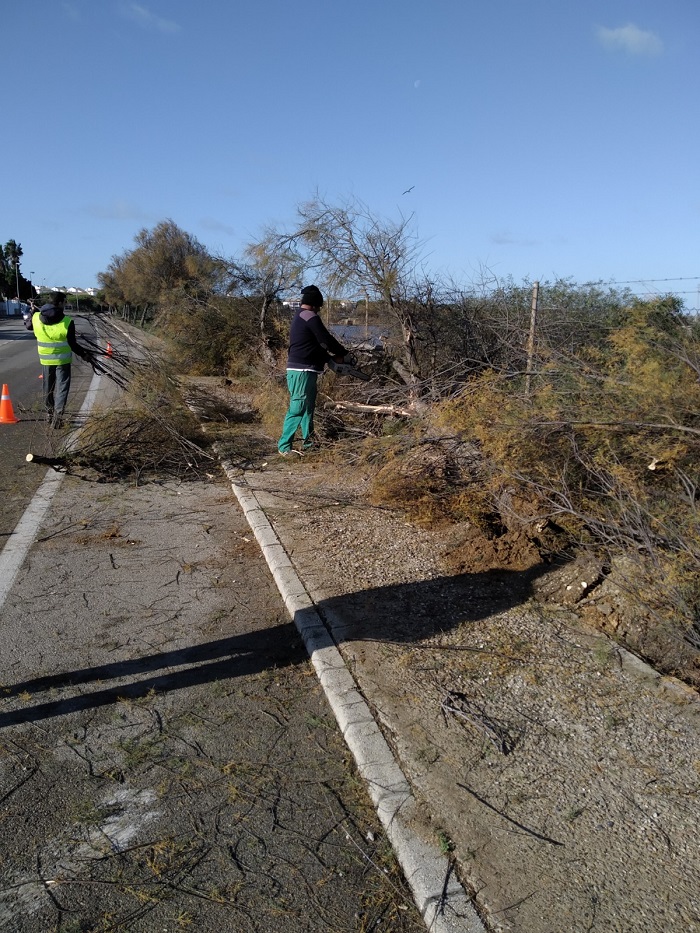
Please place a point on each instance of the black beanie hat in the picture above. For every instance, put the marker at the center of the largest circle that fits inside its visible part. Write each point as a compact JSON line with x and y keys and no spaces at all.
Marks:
{"x":310,"y":295}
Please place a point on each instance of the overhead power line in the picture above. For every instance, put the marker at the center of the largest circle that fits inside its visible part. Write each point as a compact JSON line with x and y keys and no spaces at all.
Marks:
{"x":679,"y":278}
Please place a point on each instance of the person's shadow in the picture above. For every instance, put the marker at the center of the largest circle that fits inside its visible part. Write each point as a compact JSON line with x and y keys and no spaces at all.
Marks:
{"x":394,"y":614}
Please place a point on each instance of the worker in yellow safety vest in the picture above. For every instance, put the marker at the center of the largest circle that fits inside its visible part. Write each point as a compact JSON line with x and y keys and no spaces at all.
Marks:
{"x":56,"y":342}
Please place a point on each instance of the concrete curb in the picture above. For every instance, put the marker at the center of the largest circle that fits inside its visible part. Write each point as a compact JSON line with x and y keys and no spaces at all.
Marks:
{"x":443,"y":903}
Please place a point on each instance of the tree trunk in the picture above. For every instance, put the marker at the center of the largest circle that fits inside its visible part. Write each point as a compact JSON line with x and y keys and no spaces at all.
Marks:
{"x":409,"y":343}
{"x":411,"y":373}
{"x":265,"y":350}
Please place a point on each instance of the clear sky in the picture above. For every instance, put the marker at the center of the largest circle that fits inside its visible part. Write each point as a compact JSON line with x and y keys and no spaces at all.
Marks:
{"x":539,"y":138}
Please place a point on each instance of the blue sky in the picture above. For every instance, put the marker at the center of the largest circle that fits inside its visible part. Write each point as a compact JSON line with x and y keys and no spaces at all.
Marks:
{"x":540,"y":139}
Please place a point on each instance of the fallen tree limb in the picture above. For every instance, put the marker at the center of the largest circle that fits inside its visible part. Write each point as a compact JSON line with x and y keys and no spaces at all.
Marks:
{"x":374,"y":409}
{"x":408,"y":377}
{"x":58,"y":463}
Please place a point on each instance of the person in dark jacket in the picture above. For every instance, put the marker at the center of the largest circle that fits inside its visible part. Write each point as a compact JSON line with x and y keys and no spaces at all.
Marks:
{"x":310,"y":348}
{"x":56,"y":342}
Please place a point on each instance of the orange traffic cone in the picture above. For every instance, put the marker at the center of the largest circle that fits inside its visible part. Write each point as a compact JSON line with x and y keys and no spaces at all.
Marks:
{"x":109,"y":348}
{"x":7,"y":415}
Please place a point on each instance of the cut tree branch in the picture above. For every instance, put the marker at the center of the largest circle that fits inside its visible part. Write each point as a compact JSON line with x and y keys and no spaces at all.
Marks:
{"x":360,"y":407}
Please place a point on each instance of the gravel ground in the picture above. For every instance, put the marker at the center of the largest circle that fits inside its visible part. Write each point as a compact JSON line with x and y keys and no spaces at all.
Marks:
{"x":563,"y":773}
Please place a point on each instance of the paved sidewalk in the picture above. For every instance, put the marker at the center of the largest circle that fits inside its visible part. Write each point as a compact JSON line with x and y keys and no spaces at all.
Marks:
{"x":167,"y":758}
{"x":442,"y":901}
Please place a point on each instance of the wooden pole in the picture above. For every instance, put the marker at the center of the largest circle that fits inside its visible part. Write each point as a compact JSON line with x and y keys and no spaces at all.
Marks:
{"x":531,"y":337}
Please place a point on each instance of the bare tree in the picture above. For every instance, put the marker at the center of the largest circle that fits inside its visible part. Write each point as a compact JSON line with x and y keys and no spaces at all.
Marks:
{"x":352,"y":249}
{"x":273,"y":268}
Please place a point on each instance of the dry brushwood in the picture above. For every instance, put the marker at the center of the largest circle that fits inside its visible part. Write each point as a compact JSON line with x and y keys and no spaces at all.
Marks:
{"x":459,"y":705}
{"x":138,"y":444}
{"x":152,"y":435}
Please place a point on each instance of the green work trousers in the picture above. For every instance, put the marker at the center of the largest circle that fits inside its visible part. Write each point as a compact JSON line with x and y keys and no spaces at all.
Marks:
{"x":300,"y":414}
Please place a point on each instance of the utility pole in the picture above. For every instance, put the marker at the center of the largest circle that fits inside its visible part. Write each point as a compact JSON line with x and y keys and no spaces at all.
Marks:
{"x":531,"y":337}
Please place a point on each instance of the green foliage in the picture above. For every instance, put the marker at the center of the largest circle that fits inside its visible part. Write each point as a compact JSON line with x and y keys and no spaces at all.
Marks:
{"x":462,"y":332}
{"x":608,"y":441}
{"x":12,"y":283}
{"x":206,"y":339}
{"x":272,"y":268}
{"x":214,"y":312}
{"x":83,"y":304}
{"x":167,"y":264}
{"x":446,"y":844}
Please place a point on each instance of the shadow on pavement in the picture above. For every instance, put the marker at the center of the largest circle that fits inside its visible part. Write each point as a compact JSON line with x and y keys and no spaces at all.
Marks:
{"x":238,"y":656}
{"x":26,"y":335}
{"x":413,"y":611}
{"x":392,"y":614}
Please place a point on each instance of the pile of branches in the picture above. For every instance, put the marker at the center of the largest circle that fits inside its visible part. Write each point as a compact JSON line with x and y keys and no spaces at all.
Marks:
{"x":152,"y":435}
{"x":141,"y":446}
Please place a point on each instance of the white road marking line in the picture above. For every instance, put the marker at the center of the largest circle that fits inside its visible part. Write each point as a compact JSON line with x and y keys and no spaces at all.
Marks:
{"x":20,"y":541}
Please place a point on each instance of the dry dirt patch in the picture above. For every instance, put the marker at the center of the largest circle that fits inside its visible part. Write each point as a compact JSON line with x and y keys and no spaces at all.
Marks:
{"x":561,"y":772}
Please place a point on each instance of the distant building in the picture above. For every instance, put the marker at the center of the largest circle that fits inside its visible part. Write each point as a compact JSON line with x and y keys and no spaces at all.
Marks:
{"x":73,"y":290}
{"x":13,"y":308}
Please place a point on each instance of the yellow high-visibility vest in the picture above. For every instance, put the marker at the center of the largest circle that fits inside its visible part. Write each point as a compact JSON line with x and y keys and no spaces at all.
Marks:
{"x":52,"y":341}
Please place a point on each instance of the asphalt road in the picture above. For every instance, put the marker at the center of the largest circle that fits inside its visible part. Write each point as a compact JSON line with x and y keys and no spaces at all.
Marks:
{"x":167,"y":757}
{"x":20,"y":371}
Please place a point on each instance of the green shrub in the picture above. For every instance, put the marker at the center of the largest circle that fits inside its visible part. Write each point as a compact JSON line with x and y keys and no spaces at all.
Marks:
{"x":609,"y":443}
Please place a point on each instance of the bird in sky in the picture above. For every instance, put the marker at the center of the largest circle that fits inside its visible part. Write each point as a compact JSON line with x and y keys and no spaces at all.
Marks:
{"x":408,"y":190}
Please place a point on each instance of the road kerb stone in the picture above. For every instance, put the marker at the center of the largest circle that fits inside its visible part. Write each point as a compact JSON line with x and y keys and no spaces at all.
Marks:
{"x":443,"y":903}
